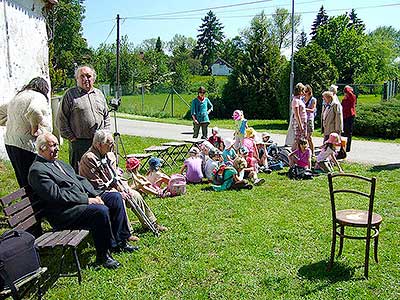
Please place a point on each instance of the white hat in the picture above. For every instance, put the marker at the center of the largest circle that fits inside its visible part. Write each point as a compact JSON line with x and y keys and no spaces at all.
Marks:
{"x":333,"y":89}
{"x":228,"y":143}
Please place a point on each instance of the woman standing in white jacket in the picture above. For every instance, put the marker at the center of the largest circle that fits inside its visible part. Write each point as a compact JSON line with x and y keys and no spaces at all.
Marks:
{"x":28,"y":115}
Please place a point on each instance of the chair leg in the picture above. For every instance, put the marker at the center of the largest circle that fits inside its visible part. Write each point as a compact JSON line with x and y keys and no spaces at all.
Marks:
{"x":341,"y":240}
{"x":366,"y":263}
{"x":39,"y":292}
{"x":376,"y":247}
{"x":78,"y":265}
{"x":333,"y":246}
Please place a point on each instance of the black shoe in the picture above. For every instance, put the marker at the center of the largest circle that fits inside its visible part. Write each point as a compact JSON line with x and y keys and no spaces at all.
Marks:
{"x":125,"y":247}
{"x":107,"y":262}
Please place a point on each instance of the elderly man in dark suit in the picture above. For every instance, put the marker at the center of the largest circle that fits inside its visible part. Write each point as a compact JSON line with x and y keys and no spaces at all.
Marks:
{"x":70,"y":202}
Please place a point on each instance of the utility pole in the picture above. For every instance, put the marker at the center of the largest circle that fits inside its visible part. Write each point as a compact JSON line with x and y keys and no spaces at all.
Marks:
{"x":117,"y":93}
{"x":292,"y":63}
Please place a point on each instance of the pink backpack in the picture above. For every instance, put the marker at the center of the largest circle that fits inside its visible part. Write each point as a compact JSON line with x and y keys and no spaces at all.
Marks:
{"x":177,"y":185}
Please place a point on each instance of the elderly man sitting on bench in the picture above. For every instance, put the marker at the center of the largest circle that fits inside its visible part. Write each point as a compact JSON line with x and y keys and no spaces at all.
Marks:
{"x":99,"y":166}
{"x":70,"y":202}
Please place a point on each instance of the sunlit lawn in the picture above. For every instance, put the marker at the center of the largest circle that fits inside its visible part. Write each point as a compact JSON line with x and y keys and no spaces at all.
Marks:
{"x":272,"y":242}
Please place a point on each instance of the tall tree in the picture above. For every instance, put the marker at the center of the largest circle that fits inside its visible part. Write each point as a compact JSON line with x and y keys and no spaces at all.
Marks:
{"x":159,"y":45}
{"x":69,"y":46}
{"x":231,"y":50}
{"x":301,"y":40}
{"x":282,"y":27}
{"x":208,"y":40}
{"x":255,"y":79}
{"x":345,"y":46}
{"x":179,"y":40}
{"x":356,"y":22}
{"x":320,"y":19}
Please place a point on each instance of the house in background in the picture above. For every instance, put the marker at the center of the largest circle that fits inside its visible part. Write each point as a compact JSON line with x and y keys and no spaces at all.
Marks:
{"x":221,"y":68}
{"x":24,"y":50}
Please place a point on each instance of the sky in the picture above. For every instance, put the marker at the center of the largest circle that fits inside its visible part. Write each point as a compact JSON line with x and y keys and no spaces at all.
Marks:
{"x":148,"y":19}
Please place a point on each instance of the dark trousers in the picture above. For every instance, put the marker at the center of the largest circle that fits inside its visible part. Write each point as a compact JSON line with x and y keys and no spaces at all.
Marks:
{"x":107,"y":223}
{"x":21,"y":161}
{"x":348,"y":125}
{"x":196,"y":129}
{"x":76,"y":150}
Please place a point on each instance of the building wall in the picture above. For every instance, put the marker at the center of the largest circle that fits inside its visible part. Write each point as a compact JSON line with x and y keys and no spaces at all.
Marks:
{"x":219,"y":70}
{"x":23,"y":48}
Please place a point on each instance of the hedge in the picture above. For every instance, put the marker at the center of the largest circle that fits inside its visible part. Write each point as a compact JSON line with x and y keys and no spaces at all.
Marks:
{"x":378,"y":120}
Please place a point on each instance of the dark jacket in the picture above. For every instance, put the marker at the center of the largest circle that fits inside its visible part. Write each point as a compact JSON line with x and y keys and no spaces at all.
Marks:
{"x":64,"y":196}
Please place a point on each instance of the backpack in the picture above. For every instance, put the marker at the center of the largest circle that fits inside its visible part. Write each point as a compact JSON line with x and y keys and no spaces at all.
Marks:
{"x":275,"y":164}
{"x":18,"y":256}
{"x":177,"y":185}
{"x":297,"y":173}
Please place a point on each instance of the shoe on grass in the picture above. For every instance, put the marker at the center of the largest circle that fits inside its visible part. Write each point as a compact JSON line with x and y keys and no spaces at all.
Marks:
{"x":259,"y":181}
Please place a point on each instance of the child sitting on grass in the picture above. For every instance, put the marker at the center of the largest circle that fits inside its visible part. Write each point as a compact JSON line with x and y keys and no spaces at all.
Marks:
{"x":263,"y":155}
{"x":192,"y":166}
{"x":213,"y":163}
{"x":155,"y":175}
{"x":251,"y":170}
{"x":204,"y":148}
{"x":139,"y":182}
{"x":301,"y":157}
{"x":231,"y":179}
{"x":229,"y":153}
{"x":215,"y":139}
{"x":328,"y":154}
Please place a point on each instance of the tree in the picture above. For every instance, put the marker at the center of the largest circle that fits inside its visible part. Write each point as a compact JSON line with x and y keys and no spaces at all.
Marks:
{"x":282,"y":27}
{"x":208,"y":40}
{"x":231,"y":50}
{"x":159,"y":45}
{"x":181,"y":41}
{"x":345,"y":46}
{"x":302,"y":40}
{"x":321,"y":19}
{"x":356,"y":22}
{"x":252,"y":86}
{"x":69,"y":46}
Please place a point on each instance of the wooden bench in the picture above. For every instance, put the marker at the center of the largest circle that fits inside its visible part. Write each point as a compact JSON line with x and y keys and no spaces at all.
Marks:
{"x":22,"y":212}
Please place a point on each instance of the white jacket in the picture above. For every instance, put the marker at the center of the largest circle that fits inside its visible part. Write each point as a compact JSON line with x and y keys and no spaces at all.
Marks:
{"x":26,"y":110}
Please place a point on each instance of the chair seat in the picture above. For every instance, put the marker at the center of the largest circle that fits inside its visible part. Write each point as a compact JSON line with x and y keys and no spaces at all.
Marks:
{"x":357,"y":218}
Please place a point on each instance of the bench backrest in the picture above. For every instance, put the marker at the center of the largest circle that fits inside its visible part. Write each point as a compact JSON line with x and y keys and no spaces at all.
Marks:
{"x":20,"y":210}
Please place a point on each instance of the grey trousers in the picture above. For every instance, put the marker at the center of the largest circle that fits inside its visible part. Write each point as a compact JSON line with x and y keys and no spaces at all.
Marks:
{"x":76,"y":151}
{"x":204,"y":129}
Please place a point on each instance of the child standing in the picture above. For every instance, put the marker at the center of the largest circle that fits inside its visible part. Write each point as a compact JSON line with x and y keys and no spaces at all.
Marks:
{"x":216,"y":140}
{"x":328,"y":151}
{"x":240,"y":128}
{"x":192,"y":165}
{"x":229,"y":154}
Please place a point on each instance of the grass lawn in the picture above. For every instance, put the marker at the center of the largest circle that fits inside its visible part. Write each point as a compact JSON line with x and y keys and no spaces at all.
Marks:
{"x":272,"y":242}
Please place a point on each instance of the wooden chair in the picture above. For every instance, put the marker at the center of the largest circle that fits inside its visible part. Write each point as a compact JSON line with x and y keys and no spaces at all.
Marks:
{"x":364,"y":219}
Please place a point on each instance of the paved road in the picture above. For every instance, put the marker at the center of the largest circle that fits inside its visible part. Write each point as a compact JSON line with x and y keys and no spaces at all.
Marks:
{"x":373,"y":153}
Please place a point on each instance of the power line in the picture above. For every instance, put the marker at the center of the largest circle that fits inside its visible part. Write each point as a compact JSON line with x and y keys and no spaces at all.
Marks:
{"x":111,"y":31}
{"x":200,"y":9}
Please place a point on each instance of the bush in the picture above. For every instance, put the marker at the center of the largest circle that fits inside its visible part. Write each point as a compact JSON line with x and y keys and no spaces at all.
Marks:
{"x":378,"y":120}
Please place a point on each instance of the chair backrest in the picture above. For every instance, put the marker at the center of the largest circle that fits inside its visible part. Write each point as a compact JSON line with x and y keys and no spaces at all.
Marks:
{"x":21,"y":211}
{"x":334,"y":191}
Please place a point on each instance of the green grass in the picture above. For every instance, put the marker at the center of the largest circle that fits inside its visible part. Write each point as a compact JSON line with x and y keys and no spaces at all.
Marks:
{"x":369,"y":99}
{"x":272,"y":242}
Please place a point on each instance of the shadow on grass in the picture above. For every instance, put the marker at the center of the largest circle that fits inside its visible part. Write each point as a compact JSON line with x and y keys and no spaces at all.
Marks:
{"x":318,"y":271}
{"x":272,"y":126}
{"x":388,"y":167}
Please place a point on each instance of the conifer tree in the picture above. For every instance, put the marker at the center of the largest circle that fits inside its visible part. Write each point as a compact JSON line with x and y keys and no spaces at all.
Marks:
{"x":208,"y":40}
{"x":356,"y":22}
{"x":302,"y":40}
{"x":321,"y":19}
{"x":159,"y":45}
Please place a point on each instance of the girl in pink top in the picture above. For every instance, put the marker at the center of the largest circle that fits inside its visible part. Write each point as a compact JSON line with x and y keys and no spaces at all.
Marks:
{"x":301,"y":157}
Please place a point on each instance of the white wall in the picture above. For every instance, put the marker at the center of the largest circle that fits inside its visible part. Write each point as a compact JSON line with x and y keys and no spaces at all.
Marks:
{"x":23,"y":48}
{"x":218,"y":69}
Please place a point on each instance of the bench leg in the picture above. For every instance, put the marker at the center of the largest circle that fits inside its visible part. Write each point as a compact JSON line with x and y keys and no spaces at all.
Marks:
{"x":78,"y":265}
{"x":62,"y":262}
